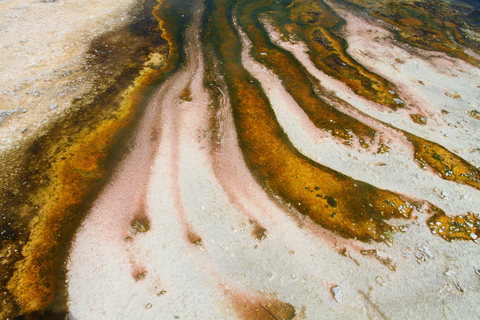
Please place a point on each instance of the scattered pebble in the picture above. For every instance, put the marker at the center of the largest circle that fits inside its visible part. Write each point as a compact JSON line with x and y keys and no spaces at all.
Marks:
{"x":337,"y":293}
{"x":444,"y":195}
{"x":450,"y":272}
{"x":380,"y":280}
{"x":423,"y":253}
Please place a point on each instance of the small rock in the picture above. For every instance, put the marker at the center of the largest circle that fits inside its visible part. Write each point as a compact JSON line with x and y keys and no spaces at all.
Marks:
{"x":425,"y":250}
{"x":450,"y":272}
{"x":148,"y":306}
{"x":337,"y":293}
{"x":460,"y":287}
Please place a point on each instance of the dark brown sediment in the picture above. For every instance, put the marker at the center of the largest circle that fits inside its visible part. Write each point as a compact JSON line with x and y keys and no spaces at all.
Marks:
{"x":54,"y":178}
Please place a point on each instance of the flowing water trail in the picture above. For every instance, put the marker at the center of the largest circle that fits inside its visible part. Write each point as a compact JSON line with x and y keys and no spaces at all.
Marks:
{"x":185,"y":230}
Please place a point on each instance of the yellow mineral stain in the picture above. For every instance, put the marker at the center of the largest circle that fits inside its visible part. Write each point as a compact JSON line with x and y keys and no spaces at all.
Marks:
{"x":462,"y":227}
{"x":475,"y":114}
{"x":448,"y":165}
{"x":74,"y":169}
{"x":418,"y":118}
{"x":383,"y":148}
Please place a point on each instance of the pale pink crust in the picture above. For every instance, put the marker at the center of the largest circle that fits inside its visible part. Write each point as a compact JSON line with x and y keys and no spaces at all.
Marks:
{"x":230,"y":169}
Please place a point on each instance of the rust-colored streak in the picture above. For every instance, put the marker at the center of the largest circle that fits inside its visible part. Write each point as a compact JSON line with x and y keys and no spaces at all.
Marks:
{"x":462,"y":227}
{"x":352,"y":208}
{"x":447,"y":164}
{"x":186,"y":93}
{"x":77,"y":165}
{"x":297,"y":82}
{"x":259,"y":308}
{"x":315,"y":24}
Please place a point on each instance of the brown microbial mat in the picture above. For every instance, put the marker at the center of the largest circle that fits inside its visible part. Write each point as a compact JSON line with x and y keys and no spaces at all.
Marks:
{"x":247,"y":159}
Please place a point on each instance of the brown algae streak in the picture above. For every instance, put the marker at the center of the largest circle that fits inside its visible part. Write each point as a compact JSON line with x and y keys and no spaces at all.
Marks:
{"x":351,"y":208}
{"x":316,"y":25}
{"x":74,"y":165}
{"x":296,"y":80}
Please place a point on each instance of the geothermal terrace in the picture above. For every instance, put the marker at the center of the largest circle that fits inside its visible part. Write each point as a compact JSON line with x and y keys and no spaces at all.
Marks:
{"x":239,"y":160}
